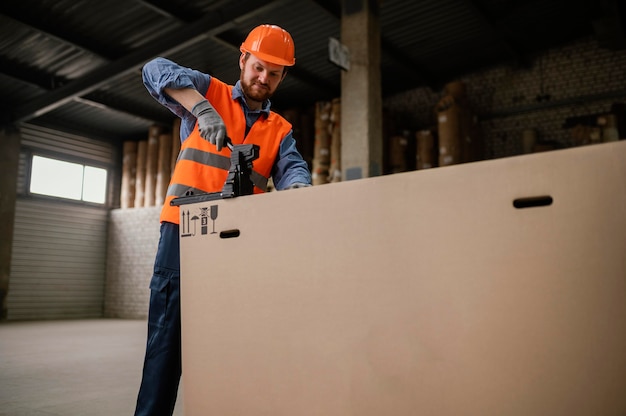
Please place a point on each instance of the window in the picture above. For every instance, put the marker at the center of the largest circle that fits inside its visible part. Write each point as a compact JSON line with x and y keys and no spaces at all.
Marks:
{"x":62,"y":179}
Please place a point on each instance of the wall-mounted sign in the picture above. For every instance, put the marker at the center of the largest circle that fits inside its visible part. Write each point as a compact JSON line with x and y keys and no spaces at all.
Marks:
{"x":338,"y":54}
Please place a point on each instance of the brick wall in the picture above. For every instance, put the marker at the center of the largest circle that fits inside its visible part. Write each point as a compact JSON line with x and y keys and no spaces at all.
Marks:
{"x":132,"y":243}
{"x":580,"y":78}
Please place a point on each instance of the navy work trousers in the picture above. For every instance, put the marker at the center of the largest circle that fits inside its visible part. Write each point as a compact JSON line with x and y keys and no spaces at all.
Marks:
{"x":162,"y":363}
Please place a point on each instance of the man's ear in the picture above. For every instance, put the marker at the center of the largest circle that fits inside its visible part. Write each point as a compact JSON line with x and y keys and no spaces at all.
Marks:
{"x":242,"y":60}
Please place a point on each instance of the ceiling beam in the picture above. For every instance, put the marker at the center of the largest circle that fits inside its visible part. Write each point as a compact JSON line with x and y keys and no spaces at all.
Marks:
{"x":109,"y":103}
{"x":169,"y":10}
{"x":29,"y":75}
{"x":209,"y":25}
{"x":56,"y":32}
{"x":174,"y":11}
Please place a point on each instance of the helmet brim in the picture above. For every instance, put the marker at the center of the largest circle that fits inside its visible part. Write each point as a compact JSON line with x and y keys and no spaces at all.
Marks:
{"x":270,"y":58}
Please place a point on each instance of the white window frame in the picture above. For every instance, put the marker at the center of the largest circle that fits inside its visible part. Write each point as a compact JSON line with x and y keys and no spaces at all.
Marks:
{"x":48,"y":174}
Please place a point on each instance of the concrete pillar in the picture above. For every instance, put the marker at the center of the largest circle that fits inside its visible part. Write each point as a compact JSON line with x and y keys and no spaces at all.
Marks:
{"x":9,"y":162}
{"x":361,"y":96}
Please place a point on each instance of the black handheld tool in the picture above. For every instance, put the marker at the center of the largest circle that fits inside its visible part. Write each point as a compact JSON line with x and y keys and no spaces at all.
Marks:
{"x":238,"y":182}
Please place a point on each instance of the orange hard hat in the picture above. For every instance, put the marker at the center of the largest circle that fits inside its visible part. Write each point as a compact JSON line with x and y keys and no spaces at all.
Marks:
{"x":270,"y":43}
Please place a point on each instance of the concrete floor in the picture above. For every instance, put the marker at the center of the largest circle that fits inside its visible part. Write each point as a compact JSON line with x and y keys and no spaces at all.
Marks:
{"x":80,"y":367}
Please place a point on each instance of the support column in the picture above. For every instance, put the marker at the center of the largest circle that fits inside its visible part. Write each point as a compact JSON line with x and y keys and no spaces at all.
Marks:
{"x":361,"y":96}
{"x":9,"y":162}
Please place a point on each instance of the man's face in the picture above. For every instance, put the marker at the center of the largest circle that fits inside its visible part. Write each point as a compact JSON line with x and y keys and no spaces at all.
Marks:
{"x":259,"y":79}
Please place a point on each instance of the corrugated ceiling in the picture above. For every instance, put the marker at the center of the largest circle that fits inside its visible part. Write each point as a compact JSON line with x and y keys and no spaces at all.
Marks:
{"x":76,"y":64}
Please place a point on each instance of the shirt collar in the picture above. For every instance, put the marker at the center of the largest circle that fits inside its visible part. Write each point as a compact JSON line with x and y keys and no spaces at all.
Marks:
{"x":238,"y":94}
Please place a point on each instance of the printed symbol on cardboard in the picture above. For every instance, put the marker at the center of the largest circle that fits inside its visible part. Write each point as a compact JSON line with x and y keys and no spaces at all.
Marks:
{"x":213,"y":216}
{"x":186,"y":224}
{"x":204,"y":220}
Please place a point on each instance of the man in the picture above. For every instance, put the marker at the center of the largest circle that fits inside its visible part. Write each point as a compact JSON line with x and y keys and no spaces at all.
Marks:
{"x":211,"y":111}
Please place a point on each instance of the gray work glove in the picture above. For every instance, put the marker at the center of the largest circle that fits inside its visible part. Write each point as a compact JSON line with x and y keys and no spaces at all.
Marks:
{"x":210,"y":123}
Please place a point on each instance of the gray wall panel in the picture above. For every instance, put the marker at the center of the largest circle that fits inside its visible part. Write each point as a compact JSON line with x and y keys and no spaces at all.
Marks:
{"x":58,"y":264}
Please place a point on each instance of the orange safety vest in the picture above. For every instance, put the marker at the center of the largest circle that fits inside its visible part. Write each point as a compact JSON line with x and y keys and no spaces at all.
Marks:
{"x":200,"y":168}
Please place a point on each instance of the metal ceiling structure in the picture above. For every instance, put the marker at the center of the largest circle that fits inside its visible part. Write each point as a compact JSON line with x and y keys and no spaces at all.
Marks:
{"x":76,"y":64}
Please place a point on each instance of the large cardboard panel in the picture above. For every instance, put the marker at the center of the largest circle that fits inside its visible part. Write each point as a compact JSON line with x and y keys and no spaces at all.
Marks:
{"x":426,"y":292}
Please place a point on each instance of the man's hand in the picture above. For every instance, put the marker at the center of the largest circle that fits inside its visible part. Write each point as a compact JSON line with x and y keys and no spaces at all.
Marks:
{"x":210,"y":123}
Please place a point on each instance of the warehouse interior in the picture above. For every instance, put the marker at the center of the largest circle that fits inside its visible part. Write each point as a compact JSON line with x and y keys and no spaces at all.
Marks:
{"x":520,"y":78}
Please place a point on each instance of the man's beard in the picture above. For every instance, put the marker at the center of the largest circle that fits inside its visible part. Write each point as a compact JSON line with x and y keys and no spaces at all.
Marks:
{"x":254,"y":94}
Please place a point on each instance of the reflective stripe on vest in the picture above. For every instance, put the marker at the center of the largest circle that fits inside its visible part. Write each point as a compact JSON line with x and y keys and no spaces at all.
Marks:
{"x":201,"y":169}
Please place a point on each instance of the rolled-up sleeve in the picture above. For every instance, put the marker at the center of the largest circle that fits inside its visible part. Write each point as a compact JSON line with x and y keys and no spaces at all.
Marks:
{"x":161,"y":73}
{"x":290,"y":168}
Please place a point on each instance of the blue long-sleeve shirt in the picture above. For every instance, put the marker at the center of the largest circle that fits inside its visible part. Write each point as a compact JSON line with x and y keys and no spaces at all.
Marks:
{"x":160,"y":73}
